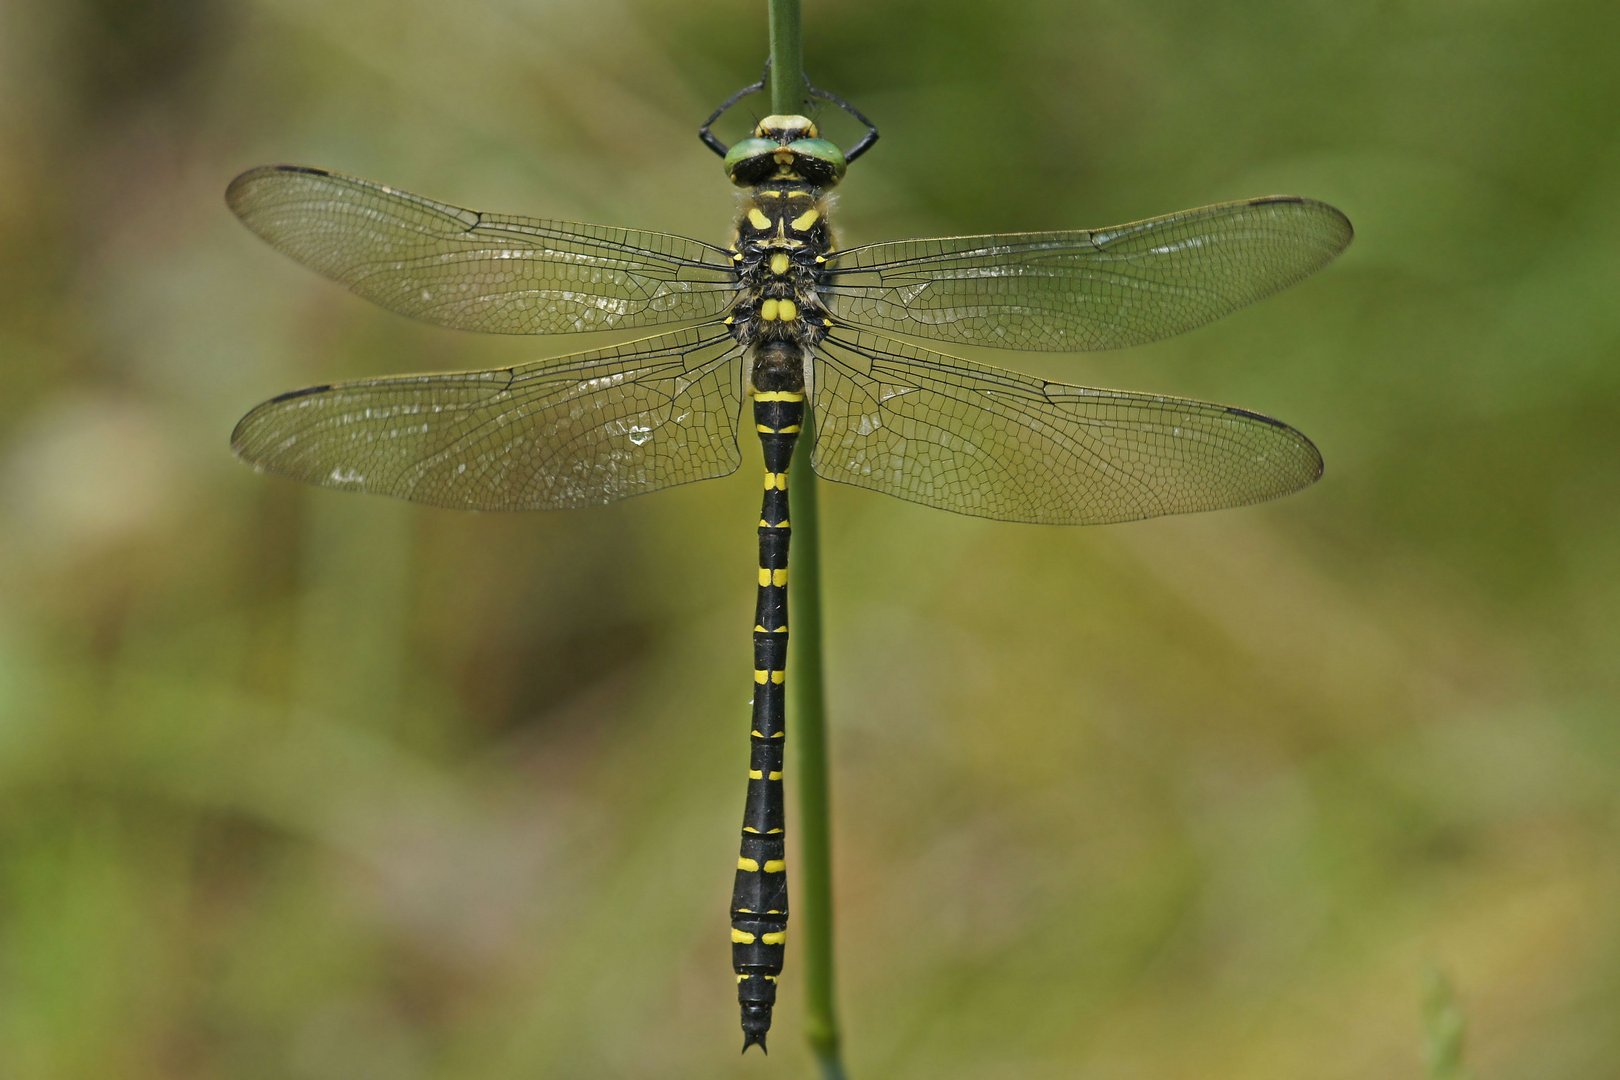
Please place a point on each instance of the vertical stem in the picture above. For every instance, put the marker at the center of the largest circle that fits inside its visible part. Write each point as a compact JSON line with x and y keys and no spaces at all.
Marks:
{"x":809,"y":741}
{"x":787,"y":58}
{"x":813,"y":905}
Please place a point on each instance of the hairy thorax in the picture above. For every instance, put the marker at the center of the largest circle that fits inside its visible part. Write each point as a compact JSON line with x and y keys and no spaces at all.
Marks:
{"x":781,"y":243}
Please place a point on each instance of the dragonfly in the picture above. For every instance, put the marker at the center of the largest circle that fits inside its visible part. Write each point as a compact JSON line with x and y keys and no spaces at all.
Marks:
{"x":781,"y":319}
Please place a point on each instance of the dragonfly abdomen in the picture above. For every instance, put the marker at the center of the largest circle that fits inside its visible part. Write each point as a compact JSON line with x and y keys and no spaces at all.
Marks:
{"x":759,"y":899}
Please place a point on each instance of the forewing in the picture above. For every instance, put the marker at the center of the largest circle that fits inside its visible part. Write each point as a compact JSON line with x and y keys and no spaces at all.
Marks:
{"x":576,"y":431}
{"x":1097,"y":289}
{"x":979,"y":440}
{"x":474,"y":271}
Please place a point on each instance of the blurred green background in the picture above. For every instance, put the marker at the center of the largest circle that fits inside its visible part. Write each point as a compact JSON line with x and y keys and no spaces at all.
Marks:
{"x":296,"y":784}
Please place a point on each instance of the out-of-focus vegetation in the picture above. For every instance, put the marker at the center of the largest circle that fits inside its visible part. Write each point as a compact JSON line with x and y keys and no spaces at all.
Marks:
{"x":295,"y":784}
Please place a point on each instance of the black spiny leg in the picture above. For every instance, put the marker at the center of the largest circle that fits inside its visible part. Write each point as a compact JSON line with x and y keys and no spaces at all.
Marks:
{"x":759,"y":904}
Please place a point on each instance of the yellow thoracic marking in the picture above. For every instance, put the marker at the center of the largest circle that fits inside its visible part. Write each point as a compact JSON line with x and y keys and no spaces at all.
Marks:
{"x":770,"y":194}
{"x":742,"y":937}
{"x":779,"y":395}
{"x":768,"y":309}
{"x":779,"y":263}
{"x":776,"y":481}
{"x":760,"y":674}
{"x":804,"y":221}
{"x":786,"y":310}
{"x":751,"y":865}
{"x":775,"y":775}
{"x":774,"y":866}
{"x":770,"y":939}
{"x":757,"y":219}
{"x":755,"y":774}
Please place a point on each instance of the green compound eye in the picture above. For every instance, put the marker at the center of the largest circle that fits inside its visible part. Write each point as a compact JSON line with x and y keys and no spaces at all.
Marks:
{"x":820,"y":161}
{"x":751,"y":161}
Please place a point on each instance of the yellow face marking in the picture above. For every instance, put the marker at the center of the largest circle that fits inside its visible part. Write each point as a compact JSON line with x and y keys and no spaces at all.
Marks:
{"x":751,"y":865}
{"x":742,"y":937}
{"x":804,"y":221}
{"x":760,"y":674}
{"x":768,"y":309}
{"x":780,"y":263}
{"x":757,"y":218}
{"x":777,"y":938}
{"x":755,"y":774}
{"x":786,"y":310}
{"x":779,"y":395}
{"x":774,"y":866}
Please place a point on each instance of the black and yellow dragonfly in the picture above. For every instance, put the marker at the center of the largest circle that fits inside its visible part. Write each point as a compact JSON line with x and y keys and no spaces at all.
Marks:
{"x":783,"y":318}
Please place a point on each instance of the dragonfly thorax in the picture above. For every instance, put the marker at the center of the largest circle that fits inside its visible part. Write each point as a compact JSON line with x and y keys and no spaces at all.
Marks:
{"x":780,"y":249}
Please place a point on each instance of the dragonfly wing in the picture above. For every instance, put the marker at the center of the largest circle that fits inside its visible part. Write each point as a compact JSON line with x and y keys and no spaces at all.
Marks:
{"x":979,"y":440}
{"x":576,"y":431}
{"x":474,"y":271}
{"x":1096,"y":289}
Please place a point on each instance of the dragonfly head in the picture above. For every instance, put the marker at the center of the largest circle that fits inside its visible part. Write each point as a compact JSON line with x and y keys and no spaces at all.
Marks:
{"x":785,"y":148}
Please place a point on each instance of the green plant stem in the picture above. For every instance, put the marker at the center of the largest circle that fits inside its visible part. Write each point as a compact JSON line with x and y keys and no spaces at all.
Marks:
{"x":787,"y":58}
{"x":814,"y":907}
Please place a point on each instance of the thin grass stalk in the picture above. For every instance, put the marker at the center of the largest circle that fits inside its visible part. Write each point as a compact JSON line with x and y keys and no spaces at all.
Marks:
{"x":813,"y":904}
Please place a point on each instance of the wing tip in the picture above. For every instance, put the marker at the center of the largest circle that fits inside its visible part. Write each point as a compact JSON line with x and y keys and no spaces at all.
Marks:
{"x":237,"y":191}
{"x":1341,"y":219}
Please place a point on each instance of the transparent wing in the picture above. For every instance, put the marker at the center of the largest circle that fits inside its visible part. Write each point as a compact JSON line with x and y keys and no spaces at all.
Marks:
{"x":1098,"y":289}
{"x":575,"y":431}
{"x":979,"y":440}
{"x":473,"y":271}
